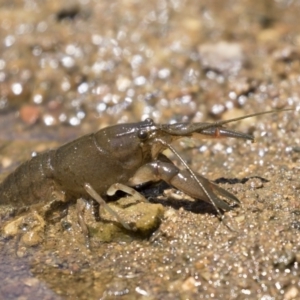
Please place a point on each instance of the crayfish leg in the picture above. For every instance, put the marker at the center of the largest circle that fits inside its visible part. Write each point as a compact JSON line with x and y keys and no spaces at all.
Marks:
{"x":80,"y":207}
{"x":101,"y":202}
{"x":193,"y":184}
{"x":126,"y":189}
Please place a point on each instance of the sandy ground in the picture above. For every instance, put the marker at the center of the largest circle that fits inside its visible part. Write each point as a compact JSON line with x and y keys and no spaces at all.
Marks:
{"x":69,"y":69}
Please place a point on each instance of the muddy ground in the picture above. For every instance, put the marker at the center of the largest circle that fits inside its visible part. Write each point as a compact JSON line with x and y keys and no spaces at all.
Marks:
{"x":72,"y":68}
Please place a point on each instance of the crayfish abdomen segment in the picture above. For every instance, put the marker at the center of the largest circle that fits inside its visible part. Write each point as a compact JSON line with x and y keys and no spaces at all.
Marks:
{"x":30,"y":183}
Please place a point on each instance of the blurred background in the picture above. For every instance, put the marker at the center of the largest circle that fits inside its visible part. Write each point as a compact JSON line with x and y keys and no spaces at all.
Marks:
{"x":67,"y":68}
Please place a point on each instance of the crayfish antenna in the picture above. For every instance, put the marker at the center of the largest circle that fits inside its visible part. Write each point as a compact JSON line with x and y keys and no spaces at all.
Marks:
{"x":223,"y":122}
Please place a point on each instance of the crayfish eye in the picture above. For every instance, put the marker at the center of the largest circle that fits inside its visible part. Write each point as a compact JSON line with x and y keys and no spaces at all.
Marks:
{"x":142,"y":134}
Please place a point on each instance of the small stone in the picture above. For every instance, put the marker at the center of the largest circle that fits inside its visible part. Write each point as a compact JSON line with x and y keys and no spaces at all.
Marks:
{"x":190,"y":284}
{"x":29,"y":114}
{"x":291,"y":293}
